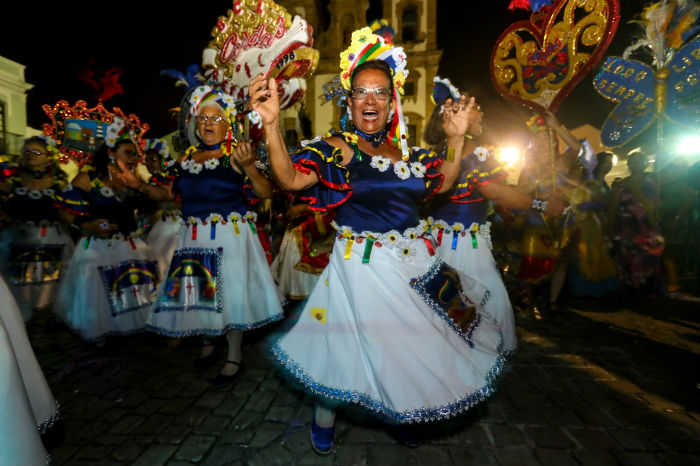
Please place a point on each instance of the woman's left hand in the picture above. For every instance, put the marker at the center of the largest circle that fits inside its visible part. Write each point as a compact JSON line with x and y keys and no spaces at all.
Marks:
{"x":244,"y":155}
{"x":456,"y":117}
{"x":124,"y":175}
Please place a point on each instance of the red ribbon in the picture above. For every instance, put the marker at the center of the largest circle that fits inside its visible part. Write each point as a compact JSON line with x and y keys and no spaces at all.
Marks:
{"x":194,"y":232}
{"x":429,"y":245}
{"x":133,"y":246}
{"x":439,"y":236}
{"x":43,"y":230}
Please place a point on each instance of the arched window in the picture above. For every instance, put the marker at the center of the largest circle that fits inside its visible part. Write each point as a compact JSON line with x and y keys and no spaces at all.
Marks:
{"x":409,"y":24}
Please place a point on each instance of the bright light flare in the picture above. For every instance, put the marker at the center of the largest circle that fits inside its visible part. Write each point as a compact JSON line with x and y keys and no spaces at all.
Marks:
{"x":614,"y":160}
{"x":509,"y":155}
{"x":689,"y":145}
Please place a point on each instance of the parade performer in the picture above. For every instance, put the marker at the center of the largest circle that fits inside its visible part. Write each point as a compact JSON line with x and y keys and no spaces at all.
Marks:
{"x":542,"y":235}
{"x":304,"y":251}
{"x":633,"y":219}
{"x":593,"y":272}
{"x":111,"y":282}
{"x":218,"y":281}
{"x":164,"y":220}
{"x":458,"y":217}
{"x":36,"y":246}
{"x":373,"y":333}
{"x":27,"y":406}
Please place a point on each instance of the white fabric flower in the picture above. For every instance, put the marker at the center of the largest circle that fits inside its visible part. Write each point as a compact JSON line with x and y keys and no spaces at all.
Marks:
{"x":412,"y":233}
{"x":48,"y":192}
{"x":34,"y":194}
{"x":106,"y":191}
{"x":67,"y":188}
{"x":406,"y":251}
{"x":306,"y":142}
{"x":401,"y":169}
{"x":481,"y":153}
{"x":211,"y":164}
{"x":21,"y":190}
{"x":391,"y":238}
{"x":418,"y":169}
{"x":254,"y":118}
{"x":195,"y":168}
{"x":251,"y":216}
{"x":186,"y":164}
{"x":380,"y":163}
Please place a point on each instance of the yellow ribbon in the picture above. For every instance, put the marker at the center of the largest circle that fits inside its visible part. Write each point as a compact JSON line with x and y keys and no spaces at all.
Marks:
{"x":348,"y":247}
{"x":235,"y":227}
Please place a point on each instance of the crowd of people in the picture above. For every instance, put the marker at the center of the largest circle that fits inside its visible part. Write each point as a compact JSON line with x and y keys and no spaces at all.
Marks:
{"x":403,"y":258}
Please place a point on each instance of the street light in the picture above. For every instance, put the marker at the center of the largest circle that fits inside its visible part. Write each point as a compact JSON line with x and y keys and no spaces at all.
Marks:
{"x":509,"y":155}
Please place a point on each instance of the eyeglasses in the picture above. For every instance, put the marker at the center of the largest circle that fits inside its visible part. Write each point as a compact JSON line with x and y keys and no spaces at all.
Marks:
{"x":360,"y":93}
{"x":28,"y":152}
{"x":215,"y":119}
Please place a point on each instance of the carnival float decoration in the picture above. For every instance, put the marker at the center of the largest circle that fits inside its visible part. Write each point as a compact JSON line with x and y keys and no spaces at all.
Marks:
{"x":78,"y":131}
{"x":668,"y":89}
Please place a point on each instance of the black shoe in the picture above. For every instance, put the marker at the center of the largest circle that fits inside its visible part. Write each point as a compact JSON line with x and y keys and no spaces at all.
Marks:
{"x":406,"y":435}
{"x":204,"y":363}
{"x":222,"y":380}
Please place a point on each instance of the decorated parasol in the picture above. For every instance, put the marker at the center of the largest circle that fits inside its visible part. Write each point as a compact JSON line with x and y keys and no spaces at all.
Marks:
{"x":666,"y":90}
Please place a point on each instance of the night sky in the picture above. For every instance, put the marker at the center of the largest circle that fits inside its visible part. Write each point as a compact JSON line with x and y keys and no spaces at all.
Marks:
{"x":56,"y":41}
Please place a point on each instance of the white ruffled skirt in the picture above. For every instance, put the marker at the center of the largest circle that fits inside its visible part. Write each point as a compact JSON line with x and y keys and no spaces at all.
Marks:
{"x":109,"y":287}
{"x":471,"y":255}
{"x":217,"y":281}
{"x":162,"y":238}
{"x":34,"y":259}
{"x":293,"y":283}
{"x":375,"y":333}
{"x":27,"y":406}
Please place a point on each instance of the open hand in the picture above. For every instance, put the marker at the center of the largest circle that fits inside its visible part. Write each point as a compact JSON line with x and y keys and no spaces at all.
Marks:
{"x":264,"y":99}
{"x":124,"y":175}
{"x":456,"y":117}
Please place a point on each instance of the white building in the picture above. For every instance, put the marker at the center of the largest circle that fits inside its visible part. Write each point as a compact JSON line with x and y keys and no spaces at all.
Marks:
{"x":13,"y":107}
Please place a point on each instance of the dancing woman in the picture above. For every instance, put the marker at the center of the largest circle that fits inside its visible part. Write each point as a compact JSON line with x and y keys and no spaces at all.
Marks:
{"x":219,"y":281}
{"x":373,"y":334}
{"x":37,"y":246}
{"x":110,"y":284}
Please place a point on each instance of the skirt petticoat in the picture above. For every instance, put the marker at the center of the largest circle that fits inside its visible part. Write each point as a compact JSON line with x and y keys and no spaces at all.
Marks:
{"x":109,"y":287}
{"x":369,"y":336}
{"x":218,"y":280}
{"x":162,"y":238}
{"x":293,"y":283}
{"x":27,"y":407}
{"x":35,"y":256}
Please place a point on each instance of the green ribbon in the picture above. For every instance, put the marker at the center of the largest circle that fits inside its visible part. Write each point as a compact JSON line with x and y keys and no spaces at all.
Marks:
{"x":252,"y":226}
{"x":368,"y":250}
{"x":87,"y":241}
{"x":473,"y":239}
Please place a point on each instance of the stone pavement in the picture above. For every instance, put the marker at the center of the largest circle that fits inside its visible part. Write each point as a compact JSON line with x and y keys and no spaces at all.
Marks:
{"x":604,"y":385}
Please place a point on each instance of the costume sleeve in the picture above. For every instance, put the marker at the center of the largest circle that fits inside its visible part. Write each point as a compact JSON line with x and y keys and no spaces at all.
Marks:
{"x":477,"y":170}
{"x":433,"y":177}
{"x":333,"y":187}
{"x":73,"y":200}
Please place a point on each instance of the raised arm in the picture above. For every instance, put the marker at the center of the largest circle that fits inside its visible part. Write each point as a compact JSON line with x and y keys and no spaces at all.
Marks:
{"x":244,"y":157}
{"x":455,"y":124}
{"x":513,"y":198}
{"x":264,"y":99}
{"x":568,"y":157}
{"x":126,"y":177}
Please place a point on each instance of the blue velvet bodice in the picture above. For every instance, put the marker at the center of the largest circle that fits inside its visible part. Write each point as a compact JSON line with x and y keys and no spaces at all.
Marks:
{"x":366,"y":198}
{"x":26,"y":205}
{"x":464,"y":203}
{"x":220,"y":190}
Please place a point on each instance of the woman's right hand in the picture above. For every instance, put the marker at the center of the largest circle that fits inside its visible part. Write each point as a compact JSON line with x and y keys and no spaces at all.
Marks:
{"x":264,"y":99}
{"x":99,"y":227}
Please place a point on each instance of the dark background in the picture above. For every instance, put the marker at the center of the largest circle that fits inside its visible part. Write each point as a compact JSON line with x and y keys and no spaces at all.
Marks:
{"x":54,"y":40}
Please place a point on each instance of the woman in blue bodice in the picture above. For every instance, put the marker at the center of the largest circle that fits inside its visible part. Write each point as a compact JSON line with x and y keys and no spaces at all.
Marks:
{"x":218,"y":281}
{"x":36,"y":245}
{"x":110,"y":284}
{"x":373,"y":333}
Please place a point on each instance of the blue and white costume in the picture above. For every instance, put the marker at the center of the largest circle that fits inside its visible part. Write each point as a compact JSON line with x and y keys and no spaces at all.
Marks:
{"x":463,"y":236}
{"x":219,"y":278}
{"x":387,"y":328}
{"x":36,"y":249}
{"x":163,"y":235}
{"x":27,"y":406}
{"x":110,"y":284}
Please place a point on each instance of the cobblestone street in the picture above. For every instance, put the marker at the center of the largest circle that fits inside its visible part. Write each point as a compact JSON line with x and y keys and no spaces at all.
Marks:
{"x":603,"y":385}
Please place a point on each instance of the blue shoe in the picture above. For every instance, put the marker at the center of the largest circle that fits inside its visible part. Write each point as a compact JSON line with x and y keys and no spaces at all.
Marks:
{"x":322,"y":438}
